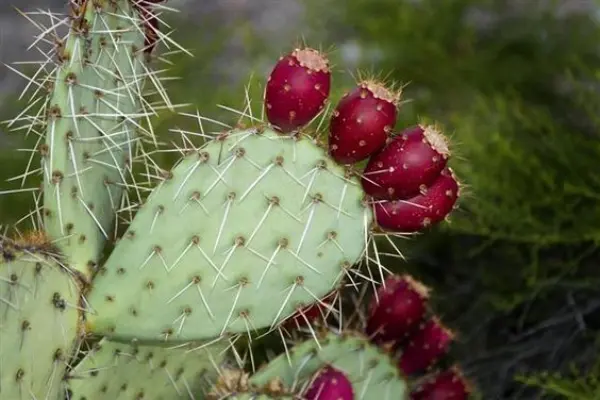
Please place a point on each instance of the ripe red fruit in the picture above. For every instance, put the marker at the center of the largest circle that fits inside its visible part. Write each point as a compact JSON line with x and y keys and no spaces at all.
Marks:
{"x":312,"y":313}
{"x":329,"y":384}
{"x":410,"y":162}
{"x":446,"y":385}
{"x":361,"y":122}
{"x":297,"y":89}
{"x":421,"y":211}
{"x":426,"y":345}
{"x":397,"y":310}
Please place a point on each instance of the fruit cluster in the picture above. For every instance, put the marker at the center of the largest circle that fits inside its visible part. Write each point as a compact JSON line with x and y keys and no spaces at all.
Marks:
{"x":407,"y":176}
{"x":397,"y":320}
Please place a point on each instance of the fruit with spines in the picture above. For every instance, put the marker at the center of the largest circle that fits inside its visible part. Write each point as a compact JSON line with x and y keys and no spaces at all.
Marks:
{"x":408,"y":164}
{"x":92,"y":126}
{"x":397,"y":309}
{"x":111,"y":370}
{"x":445,"y":385}
{"x":39,"y":318}
{"x":362,"y":121}
{"x":425,"y":346}
{"x":430,"y":207}
{"x":237,"y":235}
{"x":297,"y":89}
{"x":329,"y":384}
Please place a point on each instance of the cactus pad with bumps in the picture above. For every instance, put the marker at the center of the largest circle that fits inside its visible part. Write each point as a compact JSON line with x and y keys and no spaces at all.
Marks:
{"x":39,"y":315}
{"x":92,"y":124}
{"x":371,"y":371}
{"x":238,"y":235}
{"x":112,"y":371}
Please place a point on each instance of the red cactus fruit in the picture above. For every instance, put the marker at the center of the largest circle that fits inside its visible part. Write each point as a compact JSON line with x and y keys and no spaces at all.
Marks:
{"x":362,"y":121}
{"x":410,"y":162}
{"x":446,"y":385}
{"x":329,"y":384}
{"x":397,"y":310}
{"x":311,"y":313}
{"x":426,"y":345}
{"x":428,"y":208}
{"x":297,"y":89}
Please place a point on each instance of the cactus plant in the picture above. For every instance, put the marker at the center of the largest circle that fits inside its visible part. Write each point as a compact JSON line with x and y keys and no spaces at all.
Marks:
{"x":253,"y":229}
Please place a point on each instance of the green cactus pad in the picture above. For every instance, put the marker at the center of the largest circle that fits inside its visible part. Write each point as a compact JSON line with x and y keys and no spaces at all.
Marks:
{"x":372,"y":372}
{"x":93,"y":122}
{"x":39,"y":316}
{"x":116,"y":371}
{"x":239,"y":234}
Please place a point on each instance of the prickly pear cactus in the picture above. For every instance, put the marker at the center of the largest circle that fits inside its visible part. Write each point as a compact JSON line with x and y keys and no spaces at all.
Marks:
{"x":39,"y":319}
{"x":255,"y":228}
{"x":238,"y":235}
{"x":94,"y":120}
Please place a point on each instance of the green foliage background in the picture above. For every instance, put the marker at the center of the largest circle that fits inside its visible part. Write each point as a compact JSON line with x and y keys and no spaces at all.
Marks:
{"x":516,"y":270}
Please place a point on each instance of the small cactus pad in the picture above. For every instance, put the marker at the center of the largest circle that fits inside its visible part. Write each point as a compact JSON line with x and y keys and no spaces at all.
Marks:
{"x":93,"y":122}
{"x":115,"y":371}
{"x":371,"y":371}
{"x":233,"y":384}
{"x":238,"y":235}
{"x":39,"y":315}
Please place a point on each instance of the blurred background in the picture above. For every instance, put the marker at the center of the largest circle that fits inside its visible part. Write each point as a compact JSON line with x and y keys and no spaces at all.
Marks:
{"x":515,"y":85}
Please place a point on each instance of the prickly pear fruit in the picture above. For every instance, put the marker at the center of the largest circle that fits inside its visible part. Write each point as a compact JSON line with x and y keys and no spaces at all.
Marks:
{"x":425,"y":347}
{"x":369,"y":368}
{"x":362,"y":121}
{"x":111,"y":370}
{"x":446,"y":385}
{"x":92,"y":127}
{"x":411,"y":161}
{"x":421,"y":211}
{"x":39,"y":316}
{"x":297,"y":89}
{"x":314,"y":313}
{"x":397,"y":310}
{"x":238,"y":235}
{"x":329,"y":384}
